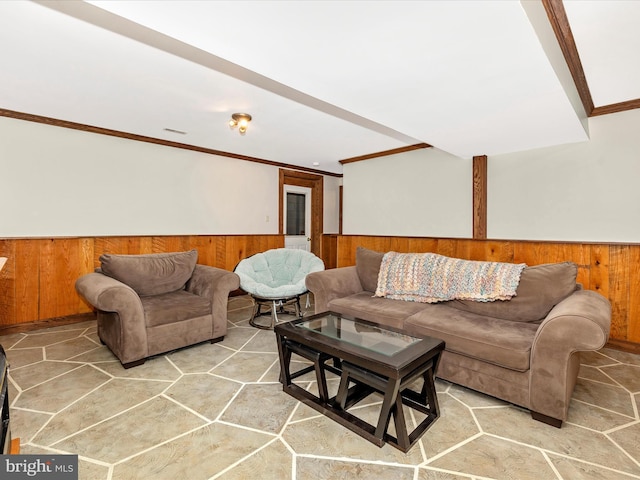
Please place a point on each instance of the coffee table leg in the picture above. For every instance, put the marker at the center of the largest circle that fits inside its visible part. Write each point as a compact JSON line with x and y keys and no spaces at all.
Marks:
{"x":343,"y":390}
{"x":391,"y":394}
{"x":321,"y":378}
{"x":402,"y":434}
{"x":285,"y":350}
{"x":429,"y":392}
{"x":285,"y":361}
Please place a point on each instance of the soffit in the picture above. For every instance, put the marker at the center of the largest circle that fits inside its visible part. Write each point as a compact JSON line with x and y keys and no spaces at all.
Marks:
{"x":324,"y":81}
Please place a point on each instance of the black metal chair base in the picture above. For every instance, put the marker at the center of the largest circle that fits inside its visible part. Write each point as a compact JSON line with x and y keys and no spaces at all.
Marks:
{"x":276,"y":305}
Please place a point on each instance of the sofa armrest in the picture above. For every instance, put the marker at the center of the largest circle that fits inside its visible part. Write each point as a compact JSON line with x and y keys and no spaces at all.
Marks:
{"x":330,"y":284}
{"x":215,"y":284}
{"x":580,"y":322}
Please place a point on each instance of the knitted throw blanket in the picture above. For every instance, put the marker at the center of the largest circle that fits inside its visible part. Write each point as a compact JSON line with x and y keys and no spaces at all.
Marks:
{"x":431,"y":278}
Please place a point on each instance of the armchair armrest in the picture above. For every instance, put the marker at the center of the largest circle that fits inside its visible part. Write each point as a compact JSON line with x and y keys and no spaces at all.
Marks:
{"x":110,"y":295}
{"x":215,"y":284}
{"x":581,"y":322}
{"x":330,"y":284}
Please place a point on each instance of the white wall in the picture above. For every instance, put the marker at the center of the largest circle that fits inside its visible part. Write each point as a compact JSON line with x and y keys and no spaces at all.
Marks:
{"x":589,"y":191}
{"x":584,"y":192}
{"x":60,"y":182}
{"x":331,"y":198}
{"x":424,"y":192}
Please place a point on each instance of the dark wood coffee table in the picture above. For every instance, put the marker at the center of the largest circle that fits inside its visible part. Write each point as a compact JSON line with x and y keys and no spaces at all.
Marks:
{"x":368,"y":358}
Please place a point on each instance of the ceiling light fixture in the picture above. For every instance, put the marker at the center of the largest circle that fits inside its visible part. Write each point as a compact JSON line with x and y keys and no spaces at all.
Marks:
{"x":240,"y":120}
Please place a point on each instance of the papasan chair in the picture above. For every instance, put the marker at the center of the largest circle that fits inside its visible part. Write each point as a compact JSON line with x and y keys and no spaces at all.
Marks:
{"x":275,"y":278}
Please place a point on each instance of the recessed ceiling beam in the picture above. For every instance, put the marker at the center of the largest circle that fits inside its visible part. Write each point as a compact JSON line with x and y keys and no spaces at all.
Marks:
{"x":560,"y":24}
{"x":385,"y":153}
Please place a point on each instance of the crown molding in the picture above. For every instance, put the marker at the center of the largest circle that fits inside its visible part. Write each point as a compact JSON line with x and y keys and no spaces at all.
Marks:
{"x":616,"y":107}
{"x":157,"y":141}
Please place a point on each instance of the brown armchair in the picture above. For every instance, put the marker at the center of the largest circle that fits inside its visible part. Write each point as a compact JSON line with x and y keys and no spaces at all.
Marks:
{"x":155,"y":303}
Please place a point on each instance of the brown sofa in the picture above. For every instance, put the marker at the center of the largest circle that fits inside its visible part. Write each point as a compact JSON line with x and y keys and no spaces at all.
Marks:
{"x":155,"y":303}
{"x":525,"y":350}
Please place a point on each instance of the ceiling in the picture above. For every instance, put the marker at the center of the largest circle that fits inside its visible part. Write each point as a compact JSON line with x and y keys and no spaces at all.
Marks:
{"x":324,"y":81}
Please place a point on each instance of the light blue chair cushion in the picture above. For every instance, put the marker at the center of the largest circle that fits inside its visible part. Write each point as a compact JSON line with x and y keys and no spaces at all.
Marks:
{"x":277,"y":273}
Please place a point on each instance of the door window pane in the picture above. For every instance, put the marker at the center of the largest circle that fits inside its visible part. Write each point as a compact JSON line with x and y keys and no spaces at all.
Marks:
{"x":295,"y":213}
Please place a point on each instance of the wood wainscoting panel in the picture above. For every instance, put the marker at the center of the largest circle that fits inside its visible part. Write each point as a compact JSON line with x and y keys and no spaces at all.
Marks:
{"x":238,"y":247}
{"x":62,"y":261}
{"x":599,"y":270}
{"x":608,"y":269}
{"x":537,"y":253}
{"x":26,"y":280}
{"x":170,"y":244}
{"x":619,"y":290}
{"x":121,"y":246}
{"x":423,"y":244}
{"x":490,"y":251}
{"x":8,"y":281}
{"x":207,"y":248}
{"x":633,"y":323}
{"x":330,"y":250}
{"x":222,"y":251}
{"x":38,"y":280}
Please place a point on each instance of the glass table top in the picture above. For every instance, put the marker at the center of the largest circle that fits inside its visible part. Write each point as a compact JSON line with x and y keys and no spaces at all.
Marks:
{"x":364,"y":335}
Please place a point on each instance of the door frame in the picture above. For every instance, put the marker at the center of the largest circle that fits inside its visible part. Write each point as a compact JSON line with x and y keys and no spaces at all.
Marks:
{"x":316,"y":184}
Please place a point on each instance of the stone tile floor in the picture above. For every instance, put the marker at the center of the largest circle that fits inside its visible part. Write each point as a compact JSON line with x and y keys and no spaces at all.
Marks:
{"x":218,"y":412}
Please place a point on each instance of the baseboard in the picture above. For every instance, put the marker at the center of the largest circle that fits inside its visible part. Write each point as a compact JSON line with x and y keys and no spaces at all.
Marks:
{"x":48,"y":323}
{"x":624,"y":345}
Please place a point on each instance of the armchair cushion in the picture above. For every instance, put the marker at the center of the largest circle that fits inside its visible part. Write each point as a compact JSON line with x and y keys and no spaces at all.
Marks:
{"x":151,"y":274}
{"x":174,"y":307}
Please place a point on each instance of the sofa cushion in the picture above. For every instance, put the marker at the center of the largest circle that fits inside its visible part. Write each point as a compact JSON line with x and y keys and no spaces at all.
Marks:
{"x":368,"y":267}
{"x":493,"y":340}
{"x":541,"y":287}
{"x":151,"y":274}
{"x":174,"y":307}
{"x":375,"y":309}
